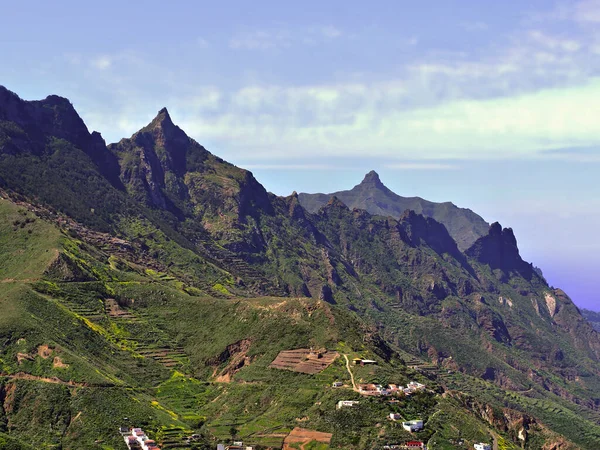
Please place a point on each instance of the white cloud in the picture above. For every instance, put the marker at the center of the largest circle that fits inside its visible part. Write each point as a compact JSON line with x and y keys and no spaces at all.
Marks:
{"x":271,"y":124}
{"x":260,"y":40}
{"x":537,"y":90}
{"x":101,"y":62}
{"x":202,"y":43}
{"x":422,"y":166}
{"x":586,"y":11}
{"x":331,"y":32}
{"x":268,"y":39}
{"x":555,"y":43}
{"x":292,"y":166}
{"x":475,"y":26}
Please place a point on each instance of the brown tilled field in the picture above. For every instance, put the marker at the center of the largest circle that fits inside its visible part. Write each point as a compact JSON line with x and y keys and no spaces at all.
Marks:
{"x":304,"y":436}
{"x":304,"y":360}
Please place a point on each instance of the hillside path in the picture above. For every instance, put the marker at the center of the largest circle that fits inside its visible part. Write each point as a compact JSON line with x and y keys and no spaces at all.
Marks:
{"x":26,"y":376}
{"x":350,"y":372}
{"x":495,"y":441}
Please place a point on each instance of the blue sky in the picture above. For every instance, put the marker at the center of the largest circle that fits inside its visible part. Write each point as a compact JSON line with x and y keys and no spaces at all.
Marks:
{"x":492,"y":105}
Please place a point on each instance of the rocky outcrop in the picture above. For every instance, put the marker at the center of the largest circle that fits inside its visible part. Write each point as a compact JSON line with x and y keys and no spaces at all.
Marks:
{"x":425,"y":230}
{"x":34,"y":121}
{"x":236,"y":357}
{"x":499,"y":250}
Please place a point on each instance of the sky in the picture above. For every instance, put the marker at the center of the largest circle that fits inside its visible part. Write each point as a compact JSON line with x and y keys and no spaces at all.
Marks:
{"x":494,"y":106}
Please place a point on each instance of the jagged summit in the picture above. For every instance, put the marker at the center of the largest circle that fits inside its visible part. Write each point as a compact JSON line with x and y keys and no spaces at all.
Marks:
{"x":163,"y":117}
{"x":372,"y":178}
{"x":57,"y":100}
{"x":500,"y":251}
{"x":334,"y":201}
{"x":164,"y":123}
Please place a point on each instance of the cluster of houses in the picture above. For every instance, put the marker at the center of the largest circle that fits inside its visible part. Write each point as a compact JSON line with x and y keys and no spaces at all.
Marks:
{"x":136,"y":439}
{"x":237,"y":445}
{"x":392,"y":389}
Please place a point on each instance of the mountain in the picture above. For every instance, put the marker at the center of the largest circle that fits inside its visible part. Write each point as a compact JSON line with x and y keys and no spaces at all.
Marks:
{"x":151,"y":283}
{"x":373,"y":196}
{"x":592,"y":317}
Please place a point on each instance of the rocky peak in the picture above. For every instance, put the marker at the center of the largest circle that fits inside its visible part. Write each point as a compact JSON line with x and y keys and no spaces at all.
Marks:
{"x":372,"y":179}
{"x":55,"y":117}
{"x":162,"y":134}
{"x":500,"y":251}
{"x":336,"y":203}
{"x":162,"y":120}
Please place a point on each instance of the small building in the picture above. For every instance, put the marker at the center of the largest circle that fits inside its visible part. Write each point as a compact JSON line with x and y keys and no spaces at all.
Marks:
{"x":237,"y":445}
{"x":149,"y":444}
{"x":137,"y":432}
{"x":363,"y":362}
{"x":346,"y":404}
{"x":413,"y":425}
{"x":369,"y":388}
{"x":395,"y":416}
{"x":337,"y":384}
{"x":482,"y":446}
{"x":133,"y":443}
{"x":414,"y":444}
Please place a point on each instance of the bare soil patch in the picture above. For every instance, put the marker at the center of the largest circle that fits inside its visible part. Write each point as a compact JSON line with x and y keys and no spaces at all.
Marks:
{"x":304,"y":436}
{"x":304,"y":360}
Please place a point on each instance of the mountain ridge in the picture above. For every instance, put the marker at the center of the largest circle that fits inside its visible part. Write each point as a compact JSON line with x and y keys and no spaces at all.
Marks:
{"x":372,"y":195}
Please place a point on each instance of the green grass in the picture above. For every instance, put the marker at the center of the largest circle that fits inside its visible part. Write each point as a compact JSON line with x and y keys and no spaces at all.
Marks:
{"x":27,"y":244}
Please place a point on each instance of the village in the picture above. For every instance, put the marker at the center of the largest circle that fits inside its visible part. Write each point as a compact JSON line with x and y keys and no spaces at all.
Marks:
{"x":312,"y":361}
{"x":136,"y":439}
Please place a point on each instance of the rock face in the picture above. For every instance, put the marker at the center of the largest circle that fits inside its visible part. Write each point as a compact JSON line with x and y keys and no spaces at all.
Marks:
{"x":420,"y":229}
{"x":499,"y":250}
{"x":372,"y":195}
{"x":33,"y":121}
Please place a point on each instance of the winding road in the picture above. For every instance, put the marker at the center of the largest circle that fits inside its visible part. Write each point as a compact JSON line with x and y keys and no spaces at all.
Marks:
{"x":350,"y":372}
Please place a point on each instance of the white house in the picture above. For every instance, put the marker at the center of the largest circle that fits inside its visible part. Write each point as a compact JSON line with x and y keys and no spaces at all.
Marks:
{"x":346,"y":404}
{"x":337,"y":384}
{"x":395,"y":416}
{"x":413,"y":425}
{"x":482,"y":446}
